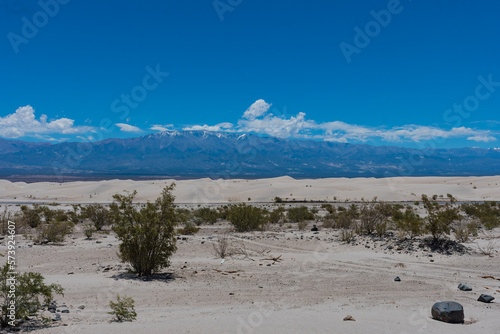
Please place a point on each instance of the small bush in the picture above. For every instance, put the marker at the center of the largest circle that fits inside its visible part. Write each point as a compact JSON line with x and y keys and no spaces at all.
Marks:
{"x":206,"y":216}
{"x":147,"y":234}
{"x":222,"y":248}
{"x":29,"y":288}
{"x":299,"y":214}
{"x":188,"y":229}
{"x":54,"y":231}
{"x":439,"y":217}
{"x":347,"y":235}
{"x":328,"y":207}
{"x":89,"y":230}
{"x":98,"y":214}
{"x":409,"y":222}
{"x":277,"y":216}
{"x":464,"y":230}
{"x":31,"y":217}
{"x":302,"y":225}
{"x":247,"y":217}
{"x":123,"y":309}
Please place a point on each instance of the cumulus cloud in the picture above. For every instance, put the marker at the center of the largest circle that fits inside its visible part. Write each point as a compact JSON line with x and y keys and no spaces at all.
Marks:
{"x":214,"y":128}
{"x":257,"y":109}
{"x":257,"y":119}
{"x":127,"y":127}
{"x":24,"y":123}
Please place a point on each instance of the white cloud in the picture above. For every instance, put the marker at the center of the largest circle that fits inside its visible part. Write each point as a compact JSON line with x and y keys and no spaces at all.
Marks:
{"x":127,"y":128}
{"x":214,"y":128}
{"x":485,"y":139}
{"x":257,"y":109}
{"x":158,"y":127}
{"x":256,"y":119}
{"x":24,"y":123}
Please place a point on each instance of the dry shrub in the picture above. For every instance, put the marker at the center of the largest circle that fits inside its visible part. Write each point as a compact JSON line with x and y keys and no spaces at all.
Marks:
{"x":464,"y":230}
{"x":302,"y":225}
{"x":222,"y":248}
{"x":347,"y":235}
{"x":488,"y":250}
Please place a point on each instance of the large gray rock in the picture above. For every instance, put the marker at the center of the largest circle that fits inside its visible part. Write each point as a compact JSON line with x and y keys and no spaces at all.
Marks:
{"x":464,"y":287}
{"x":485,"y":298}
{"x":451,"y":312}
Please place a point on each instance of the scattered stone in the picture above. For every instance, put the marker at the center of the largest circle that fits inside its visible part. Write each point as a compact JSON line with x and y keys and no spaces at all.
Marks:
{"x":81,"y":307}
{"x":98,"y":242}
{"x":349,"y":318}
{"x":57,"y":317}
{"x":231,"y":293}
{"x":314,"y":228}
{"x":485,"y":298}
{"x":70,"y":273}
{"x":451,"y":312}
{"x":397,"y":279}
{"x":65,"y":311}
{"x":464,"y":287}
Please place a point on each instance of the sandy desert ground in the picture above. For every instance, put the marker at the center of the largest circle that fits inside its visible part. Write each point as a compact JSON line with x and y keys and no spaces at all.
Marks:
{"x":316,"y":282}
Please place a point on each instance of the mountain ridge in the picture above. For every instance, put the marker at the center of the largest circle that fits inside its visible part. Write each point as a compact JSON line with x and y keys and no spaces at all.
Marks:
{"x":196,"y":154}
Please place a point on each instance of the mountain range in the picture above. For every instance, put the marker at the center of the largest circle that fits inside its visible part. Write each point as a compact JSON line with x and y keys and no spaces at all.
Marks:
{"x":195,"y":154}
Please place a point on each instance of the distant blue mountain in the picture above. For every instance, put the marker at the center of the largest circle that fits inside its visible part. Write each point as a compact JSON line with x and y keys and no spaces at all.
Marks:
{"x":193,"y":154}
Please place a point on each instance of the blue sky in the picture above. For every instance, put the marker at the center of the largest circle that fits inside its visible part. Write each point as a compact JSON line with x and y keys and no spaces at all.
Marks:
{"x":408,"y":73}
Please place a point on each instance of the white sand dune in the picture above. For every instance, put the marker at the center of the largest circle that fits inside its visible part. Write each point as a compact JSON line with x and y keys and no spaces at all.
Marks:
{"x":259,"y":190}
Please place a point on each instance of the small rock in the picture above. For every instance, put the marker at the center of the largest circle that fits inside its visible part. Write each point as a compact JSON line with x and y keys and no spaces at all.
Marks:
{"x":81,"y":307}
{"x":231,"y":293}
{"x":349,"y":318}
{"x":451,"y":312}
{"x":70,"y":273}
{"x":464,"y":287}
{"x":98,"y":242}
{"x":485,"y":298}
{"x":397,"y":279}
{"x":65,"y":311}
{"x":314,"y":228}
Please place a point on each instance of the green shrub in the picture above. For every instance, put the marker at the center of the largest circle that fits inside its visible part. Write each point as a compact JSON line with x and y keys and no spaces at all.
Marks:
{"x":299,"y":214}
{"x":206,"y":216}
{"x":98,"y":214}
{"x":123,"y":309}
{"x":409,"y":222}
{"x":371,"y":218}
{"x":147,"y":234}
{"x":277,"y":216}
{"x":439,"y":217}
{"x":89,"y":230}
{"x":29,"y":288}
{"x":247,"y":217}
{"x":31,"y":217}
{"x":55,"y":231}
{"x":328,"y":207}
{"x":188,"y":229}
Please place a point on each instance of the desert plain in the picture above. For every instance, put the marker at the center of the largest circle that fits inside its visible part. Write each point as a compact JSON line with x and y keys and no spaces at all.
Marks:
{"x":283,"y":280}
